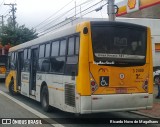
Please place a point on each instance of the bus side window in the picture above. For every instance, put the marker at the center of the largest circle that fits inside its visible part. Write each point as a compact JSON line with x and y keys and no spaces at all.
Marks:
{"x":58,"y":62}
{"x":77,"y":46}
{"x":9,"y":61}
{"x":71,"y":46}
{"x":72,"y":57}
{"x":63,"y":47}
{"x":26,"y":66}
{"x":21,"y":60}
{"x":12,"y":61}
{"x":47,"y":50}
{"x":41,"y":51}
{"x":55,"y":48}
{"x":44,"y":62}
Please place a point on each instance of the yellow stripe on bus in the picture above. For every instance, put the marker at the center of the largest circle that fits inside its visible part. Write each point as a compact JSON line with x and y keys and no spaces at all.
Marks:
{"x":60,"y":89}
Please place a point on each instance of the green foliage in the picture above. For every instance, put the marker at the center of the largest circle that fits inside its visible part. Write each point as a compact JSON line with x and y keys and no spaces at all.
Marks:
{"x":16,"y":36}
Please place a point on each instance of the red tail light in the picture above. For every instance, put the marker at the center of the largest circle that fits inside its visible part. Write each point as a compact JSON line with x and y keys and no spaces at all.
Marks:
{"x":92,"y":83}
{"x":94,"y":86}
{"x":93,"y":89}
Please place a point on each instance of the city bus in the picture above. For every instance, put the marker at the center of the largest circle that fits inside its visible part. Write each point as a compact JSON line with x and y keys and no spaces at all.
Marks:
{"x":3,"y":59}
{"x":88,"y":67}
{"x":3,"y":63}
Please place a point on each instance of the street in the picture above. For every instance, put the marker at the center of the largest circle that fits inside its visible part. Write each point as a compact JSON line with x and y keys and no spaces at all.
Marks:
{"x":22,"y":107}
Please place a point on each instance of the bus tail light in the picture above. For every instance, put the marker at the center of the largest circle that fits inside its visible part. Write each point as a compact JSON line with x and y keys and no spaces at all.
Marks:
{"x":93,"y":84}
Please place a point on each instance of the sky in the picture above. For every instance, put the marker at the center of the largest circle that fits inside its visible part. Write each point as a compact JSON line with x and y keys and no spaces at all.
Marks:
{"x":33,"y":12}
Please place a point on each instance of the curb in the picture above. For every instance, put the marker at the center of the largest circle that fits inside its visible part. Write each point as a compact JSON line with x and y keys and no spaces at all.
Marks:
{"x":143,"y":114}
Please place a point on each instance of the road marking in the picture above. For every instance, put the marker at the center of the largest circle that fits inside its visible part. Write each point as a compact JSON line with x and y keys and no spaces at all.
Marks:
{"x":40,"y":115}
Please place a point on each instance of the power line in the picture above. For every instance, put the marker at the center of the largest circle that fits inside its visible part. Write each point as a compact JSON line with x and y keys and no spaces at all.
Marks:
{"x":56,"y":18}
{"x":1,"y":7}
{"x":51,"y":28}
{"x":54,"y":14}
{"x":95,"y":9}
{"x":6,"y":12}
{"x":2,"y":3}
{"x":60,"y":16}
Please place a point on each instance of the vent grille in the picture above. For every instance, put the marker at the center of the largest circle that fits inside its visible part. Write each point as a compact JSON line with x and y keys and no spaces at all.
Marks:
{"x":70,"y":95}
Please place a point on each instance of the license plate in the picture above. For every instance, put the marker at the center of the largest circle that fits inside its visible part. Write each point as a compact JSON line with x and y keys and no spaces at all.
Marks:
{"x":121,"y":90}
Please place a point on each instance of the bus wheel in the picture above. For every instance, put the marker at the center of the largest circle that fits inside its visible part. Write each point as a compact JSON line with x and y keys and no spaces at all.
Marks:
{"x":11,"y":87}
{"x":45,"y":99}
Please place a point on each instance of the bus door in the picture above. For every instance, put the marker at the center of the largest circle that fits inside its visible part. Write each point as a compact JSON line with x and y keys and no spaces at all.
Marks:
{"x":34,"y":59}
{"x":19,"y":69}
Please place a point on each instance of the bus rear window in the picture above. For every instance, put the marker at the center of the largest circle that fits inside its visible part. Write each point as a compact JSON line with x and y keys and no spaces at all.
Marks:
{"x":119,"y":44}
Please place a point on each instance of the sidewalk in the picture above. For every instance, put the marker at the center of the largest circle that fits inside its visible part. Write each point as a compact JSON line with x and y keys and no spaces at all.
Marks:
{"x":155,"y":111}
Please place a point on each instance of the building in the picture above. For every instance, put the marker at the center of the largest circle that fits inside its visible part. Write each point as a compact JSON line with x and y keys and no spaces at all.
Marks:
{"x":143,"y":12}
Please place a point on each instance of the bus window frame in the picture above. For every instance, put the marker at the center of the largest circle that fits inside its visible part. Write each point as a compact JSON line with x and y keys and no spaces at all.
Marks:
{"x":44,"y":57}
{"x":59,"y":56}
{"x":74,"y":55}
{"x":27,"y":59}
{"x":43,"y":44}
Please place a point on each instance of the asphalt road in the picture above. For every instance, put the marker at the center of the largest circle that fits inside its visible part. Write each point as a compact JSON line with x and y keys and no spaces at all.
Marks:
{"x":10,"y":109}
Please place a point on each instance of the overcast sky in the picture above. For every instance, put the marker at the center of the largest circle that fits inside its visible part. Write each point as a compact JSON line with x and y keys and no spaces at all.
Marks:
{"x":33,"y":12}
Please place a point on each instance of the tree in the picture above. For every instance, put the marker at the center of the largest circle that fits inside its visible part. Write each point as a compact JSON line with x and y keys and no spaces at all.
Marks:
{"x":16,"y":36}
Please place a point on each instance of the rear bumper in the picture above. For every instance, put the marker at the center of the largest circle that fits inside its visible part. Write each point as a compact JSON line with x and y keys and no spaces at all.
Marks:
{"x":115,"y":102}
{"x":2,"y":76}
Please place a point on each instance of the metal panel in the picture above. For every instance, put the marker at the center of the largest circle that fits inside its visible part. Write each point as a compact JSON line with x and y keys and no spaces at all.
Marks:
{"x":70,"y":95}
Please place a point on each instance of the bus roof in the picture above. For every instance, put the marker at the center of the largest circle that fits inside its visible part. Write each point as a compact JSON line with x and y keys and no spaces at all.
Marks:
{"x":61,"y":32}
{"x":45,"y":38}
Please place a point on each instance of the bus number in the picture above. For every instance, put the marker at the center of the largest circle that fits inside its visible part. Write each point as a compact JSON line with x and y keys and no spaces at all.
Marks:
{"x":140,"y":70}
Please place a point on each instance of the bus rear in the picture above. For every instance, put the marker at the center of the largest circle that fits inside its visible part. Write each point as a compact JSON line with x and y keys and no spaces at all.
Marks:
{"x":115,"y":60}
{"x":3,"y":62}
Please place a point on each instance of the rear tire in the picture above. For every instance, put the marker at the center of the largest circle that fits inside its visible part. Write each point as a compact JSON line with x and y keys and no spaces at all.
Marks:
{"x":11,"y":88}
{"x":45,"y":99}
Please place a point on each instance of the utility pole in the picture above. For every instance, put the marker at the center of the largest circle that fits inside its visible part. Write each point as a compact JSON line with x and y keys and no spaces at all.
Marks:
{"x":2,"y":20}
{"x":111,"y":10}
{"x":13,"y":10}
{"x":75,"y":9}
{"x":2,"y":24}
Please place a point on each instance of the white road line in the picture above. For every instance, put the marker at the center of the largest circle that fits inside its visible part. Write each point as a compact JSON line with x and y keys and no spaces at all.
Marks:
{"x":30,"y":109}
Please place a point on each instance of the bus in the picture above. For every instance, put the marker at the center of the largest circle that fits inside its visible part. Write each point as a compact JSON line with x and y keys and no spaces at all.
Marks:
{"x":3,"y":59}
{"x":89,"y":67}
{"x":3,"y":63}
